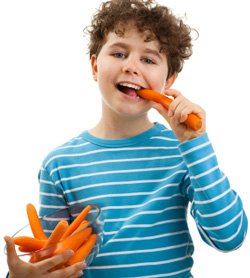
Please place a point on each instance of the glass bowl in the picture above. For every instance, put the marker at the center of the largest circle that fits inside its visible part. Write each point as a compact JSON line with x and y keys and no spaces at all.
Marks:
{"x":49,"y":222}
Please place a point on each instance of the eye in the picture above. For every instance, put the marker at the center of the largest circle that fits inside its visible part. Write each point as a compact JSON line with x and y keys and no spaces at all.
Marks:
{"x":148,"y":60}
{"x":119,"y":55}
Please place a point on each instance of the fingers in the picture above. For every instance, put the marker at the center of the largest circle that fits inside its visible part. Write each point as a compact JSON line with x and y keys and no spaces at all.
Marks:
{"x":177,"y":115}
{"x":44,"y":268}
{"x":181,"y":107}
{"x":54,"y":261}
{"x":75,"y":270}
{"x":12,"y":256}
{"x":181,"y":111}
{"x":72,"y":271}
{"x":172,"y":93}
{"x":178,"y":100}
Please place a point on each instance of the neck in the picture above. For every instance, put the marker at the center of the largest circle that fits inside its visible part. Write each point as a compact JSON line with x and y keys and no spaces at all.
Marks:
{"x":120,"y":127}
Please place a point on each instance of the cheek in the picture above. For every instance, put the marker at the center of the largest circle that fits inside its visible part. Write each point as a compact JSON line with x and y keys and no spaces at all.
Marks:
{"x":163,"y":86}
{"x":102,"y":77}
{"x":158,"y":82}
{"x":162,"y":79}
{"x":105,"y":72}
{"x":157,"y":77}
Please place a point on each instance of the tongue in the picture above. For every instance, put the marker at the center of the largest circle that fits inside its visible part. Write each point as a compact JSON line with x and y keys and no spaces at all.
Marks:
{"x":129,"y":91}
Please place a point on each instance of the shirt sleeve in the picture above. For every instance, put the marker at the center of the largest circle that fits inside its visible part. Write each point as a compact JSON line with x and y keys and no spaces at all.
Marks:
{"x":52,"y":200}
{"x":215,"y":206}
{"x":54,"y":206}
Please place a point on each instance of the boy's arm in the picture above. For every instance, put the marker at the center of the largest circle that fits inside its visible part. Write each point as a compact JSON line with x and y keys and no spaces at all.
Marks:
{"x":51,"y":199}
{"x":216,"y":208}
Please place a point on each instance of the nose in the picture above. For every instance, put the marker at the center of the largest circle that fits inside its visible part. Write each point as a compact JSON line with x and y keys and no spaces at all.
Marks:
{"x":131,"y":66}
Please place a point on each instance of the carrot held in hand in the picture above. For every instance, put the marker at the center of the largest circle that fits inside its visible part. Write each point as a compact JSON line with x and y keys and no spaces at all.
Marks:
{"x":83,"y":225}
{"x":74,"y":241}
{"x":83,"y":251}
{"x":51,"y":244}
{"x":35,"y":223}
{"x":26,"y":249}
{"x":193,"y":121}
{"x":63,"y":237}
{"x":57,"y":233}
{"x":29,"y":243}
{"x":74,"y":225}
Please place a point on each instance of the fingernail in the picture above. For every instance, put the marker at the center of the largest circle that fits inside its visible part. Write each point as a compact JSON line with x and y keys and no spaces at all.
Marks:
{"x":82,"y":265}
{"x":80,"y":273}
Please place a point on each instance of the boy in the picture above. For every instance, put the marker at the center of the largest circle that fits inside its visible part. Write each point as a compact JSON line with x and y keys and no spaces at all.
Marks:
{"x":141,"y":174}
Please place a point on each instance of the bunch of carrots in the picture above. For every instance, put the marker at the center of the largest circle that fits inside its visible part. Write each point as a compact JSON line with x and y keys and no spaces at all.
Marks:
{"x":77,"y":236}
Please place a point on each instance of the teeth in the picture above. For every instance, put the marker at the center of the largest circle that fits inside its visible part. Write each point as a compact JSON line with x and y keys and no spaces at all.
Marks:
{"x":133,"y":86}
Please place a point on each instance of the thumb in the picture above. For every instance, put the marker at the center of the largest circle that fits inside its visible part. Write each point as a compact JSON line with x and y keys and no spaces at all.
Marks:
{"x":12,"y":256}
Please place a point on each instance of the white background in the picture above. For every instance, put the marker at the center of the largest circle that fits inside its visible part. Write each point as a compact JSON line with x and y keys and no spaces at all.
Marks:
{"x":47,"y":96}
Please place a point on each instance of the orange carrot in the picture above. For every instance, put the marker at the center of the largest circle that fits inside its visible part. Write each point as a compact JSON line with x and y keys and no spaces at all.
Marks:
{"x":83,"y":225}
{"x":35,"y":223}
{"x":29,"y":242}
{"x":40,"y":255}
{"x":57,"y":233}
{"x":26,"y":249}
{"x":33,"y":258}
{"x":50,"y":246}
{"x":74,"y":241}
{"x":193,"y":121}
{"x":74,"y":225}
{"x":83,"y":251}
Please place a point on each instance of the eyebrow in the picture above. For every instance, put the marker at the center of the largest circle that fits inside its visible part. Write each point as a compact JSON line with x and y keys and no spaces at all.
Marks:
{"x":146,"y":49}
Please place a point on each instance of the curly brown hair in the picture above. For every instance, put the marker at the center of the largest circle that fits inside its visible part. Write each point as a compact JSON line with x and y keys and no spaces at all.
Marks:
{"x":173,"y":35}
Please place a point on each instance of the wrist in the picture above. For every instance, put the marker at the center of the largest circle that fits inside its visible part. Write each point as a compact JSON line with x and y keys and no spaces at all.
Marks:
{"x":190,"y":136}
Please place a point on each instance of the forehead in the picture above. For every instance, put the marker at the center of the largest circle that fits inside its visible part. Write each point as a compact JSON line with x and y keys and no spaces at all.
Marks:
{"x":130,"y":33}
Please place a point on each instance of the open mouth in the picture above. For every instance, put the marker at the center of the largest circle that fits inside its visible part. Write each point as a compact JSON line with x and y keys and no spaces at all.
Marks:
{"x":129,"y":89}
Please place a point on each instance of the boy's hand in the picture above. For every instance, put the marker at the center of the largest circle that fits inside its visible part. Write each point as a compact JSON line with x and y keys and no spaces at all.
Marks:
{"x":21,"y":269}
{"x":177,"y":114}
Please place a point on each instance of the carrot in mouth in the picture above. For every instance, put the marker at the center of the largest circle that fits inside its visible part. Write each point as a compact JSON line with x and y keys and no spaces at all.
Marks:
{"x":193,"y":121}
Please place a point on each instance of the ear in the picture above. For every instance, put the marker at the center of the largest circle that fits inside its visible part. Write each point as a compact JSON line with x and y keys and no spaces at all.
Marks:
{"x":170,"y":81}
{"x":94,"y":66}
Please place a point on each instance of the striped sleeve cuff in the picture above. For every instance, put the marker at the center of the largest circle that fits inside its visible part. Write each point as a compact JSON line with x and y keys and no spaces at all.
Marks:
{"x":198,"y":154}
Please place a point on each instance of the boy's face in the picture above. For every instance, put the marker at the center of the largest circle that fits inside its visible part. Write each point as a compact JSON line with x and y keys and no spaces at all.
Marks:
{"x":124,"y":64}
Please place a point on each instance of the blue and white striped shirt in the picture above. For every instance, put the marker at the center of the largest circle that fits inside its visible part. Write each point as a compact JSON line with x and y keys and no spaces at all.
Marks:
{"x":143,"y":185}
